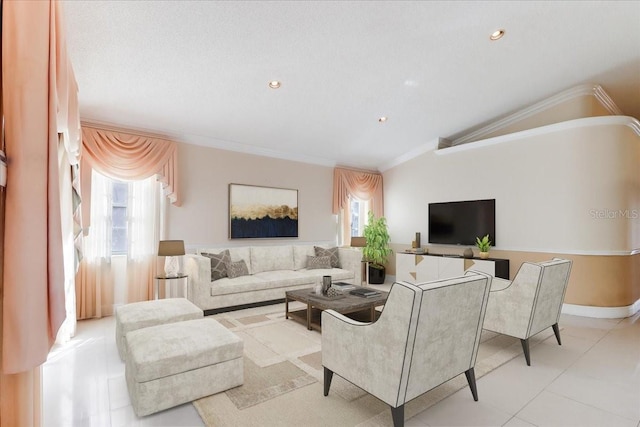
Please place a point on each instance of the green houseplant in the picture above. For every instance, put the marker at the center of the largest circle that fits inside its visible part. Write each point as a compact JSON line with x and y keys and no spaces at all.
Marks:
{"x":483,"y":245}
{"x":376,"y":250}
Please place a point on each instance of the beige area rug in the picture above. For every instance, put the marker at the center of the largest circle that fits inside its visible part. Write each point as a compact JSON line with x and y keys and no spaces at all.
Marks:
{"x":284,"y":377}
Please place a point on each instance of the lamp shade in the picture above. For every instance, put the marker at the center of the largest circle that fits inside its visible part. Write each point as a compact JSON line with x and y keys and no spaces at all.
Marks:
{"x":171,"y":248}
{"x":358,"y":242}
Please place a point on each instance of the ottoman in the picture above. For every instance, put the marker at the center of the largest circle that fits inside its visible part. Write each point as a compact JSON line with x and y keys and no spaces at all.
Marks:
{"x":175,"y":363}
{"x":151,"y":313}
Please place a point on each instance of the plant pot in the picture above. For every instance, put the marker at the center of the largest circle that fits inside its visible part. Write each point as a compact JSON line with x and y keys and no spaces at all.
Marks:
{"x":376,"y":275}
{"x":484,"y":255}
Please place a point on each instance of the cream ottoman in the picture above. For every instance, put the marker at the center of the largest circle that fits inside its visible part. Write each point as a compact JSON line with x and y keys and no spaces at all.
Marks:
{"x":139,"y":315}
{"x":175,"y":363}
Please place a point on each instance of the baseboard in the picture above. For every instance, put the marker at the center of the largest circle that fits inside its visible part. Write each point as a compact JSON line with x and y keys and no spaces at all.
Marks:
{"x":601,"y":312}
{"x":242,"y":306}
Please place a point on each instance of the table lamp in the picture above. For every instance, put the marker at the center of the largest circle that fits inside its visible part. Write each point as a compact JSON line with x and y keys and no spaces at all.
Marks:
{"x":171,"y":250}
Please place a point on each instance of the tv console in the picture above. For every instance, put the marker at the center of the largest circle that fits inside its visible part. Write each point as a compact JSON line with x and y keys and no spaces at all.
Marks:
{"x":418,"y":268}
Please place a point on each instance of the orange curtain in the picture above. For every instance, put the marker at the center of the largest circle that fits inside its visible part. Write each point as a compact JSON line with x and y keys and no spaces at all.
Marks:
{"x":127,"y":156}
{"x":359,"y":184}
{"x":38,"y":103}
{"x":363,"y":185}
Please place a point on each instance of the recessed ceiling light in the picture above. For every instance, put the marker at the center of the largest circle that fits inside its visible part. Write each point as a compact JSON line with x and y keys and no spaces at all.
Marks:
{"x":274,"y":84}
{"x":382,"y":119}
{"x":496,"y":35}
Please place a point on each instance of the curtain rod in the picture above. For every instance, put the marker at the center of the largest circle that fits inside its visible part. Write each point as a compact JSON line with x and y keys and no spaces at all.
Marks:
{"x":114,"y":128}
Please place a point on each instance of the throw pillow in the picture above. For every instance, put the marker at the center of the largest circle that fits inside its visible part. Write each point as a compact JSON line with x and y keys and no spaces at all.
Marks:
{"x":218,"y":264}
{"x":316,"y":262}
{"x":237,"y":269}
{"x":332,"y":253}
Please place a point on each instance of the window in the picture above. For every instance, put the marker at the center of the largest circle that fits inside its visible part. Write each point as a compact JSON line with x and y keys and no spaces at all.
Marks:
{"x":119,"y":217}
{"x":359,"y":209}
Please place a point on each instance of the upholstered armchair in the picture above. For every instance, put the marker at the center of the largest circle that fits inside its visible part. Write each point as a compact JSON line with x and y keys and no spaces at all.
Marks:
{"x":426,"y":335}
{"x":530,"y":303}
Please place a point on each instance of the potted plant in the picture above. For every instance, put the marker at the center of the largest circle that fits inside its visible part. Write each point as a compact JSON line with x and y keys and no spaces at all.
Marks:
{"x":376,"y":250}
{"x":484,"y":245}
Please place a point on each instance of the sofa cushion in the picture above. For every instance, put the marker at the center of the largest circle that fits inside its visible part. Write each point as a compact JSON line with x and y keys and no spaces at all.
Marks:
{"x":285,"y":278}
{"x":316,"y":262}
{"x":218,"y":264}
{"x":335,"y":273}
{"x":300,"y":254}
{"x":331,"y":252}
{"x":237,"y":269}
{"x":269,"y":258}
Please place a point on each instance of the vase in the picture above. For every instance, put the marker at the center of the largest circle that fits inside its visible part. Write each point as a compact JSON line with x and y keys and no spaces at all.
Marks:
{"x":484,"y":255}
{"x":468,"y":253}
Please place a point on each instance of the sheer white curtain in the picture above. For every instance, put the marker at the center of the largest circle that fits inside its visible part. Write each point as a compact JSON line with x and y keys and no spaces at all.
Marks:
{"x":143,"y":226}
{"x":94,"y":281}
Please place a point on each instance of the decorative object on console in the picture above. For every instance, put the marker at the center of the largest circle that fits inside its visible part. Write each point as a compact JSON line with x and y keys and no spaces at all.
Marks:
{"x":418,"y":240}
{"x":468,"y":253}
{"x":262,"y":212}
{"x":377,"y":249}
{"x":171,"y":250}
{"x":484,"y":245}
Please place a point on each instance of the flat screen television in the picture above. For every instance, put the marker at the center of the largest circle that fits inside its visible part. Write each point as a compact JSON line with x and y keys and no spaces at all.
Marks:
{"x":459,"y":223}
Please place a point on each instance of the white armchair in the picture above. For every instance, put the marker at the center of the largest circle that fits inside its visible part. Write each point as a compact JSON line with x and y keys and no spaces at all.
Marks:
{"x":529,"y":304}
{"x":427,"y":334}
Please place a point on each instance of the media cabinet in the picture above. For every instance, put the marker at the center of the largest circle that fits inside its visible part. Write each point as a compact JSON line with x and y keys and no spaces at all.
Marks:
{"x":418,"y":268}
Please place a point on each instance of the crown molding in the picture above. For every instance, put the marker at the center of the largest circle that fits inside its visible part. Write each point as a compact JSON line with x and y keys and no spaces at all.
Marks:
{"x":429,"y":146}
{"x":586,"y":122}
{"x":594,"y":90}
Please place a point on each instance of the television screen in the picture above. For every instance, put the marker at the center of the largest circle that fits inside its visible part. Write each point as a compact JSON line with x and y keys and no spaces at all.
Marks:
{"x":459,"y":223}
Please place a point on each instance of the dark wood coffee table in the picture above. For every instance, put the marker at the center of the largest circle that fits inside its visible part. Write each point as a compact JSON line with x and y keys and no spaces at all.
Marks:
{"x":357,"y":308}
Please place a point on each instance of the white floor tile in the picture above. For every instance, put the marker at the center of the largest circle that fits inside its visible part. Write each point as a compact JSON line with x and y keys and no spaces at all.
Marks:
{"x":517,"y":422}
{"x":460,"y":409}
{"x":589,"y":380}
{"x":550,"y":409}
{"x":619,"y":399}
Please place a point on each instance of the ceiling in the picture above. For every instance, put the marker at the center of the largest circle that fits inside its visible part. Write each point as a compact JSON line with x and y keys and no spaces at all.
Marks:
{"x":198,"y":71}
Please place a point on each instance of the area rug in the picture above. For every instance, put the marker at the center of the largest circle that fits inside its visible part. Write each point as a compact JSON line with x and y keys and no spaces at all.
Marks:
{"x":283,"y":378}
{"x":261,"y":384}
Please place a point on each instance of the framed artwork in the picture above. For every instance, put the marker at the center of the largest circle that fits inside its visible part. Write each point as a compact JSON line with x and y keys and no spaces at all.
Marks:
{"x":257,"y":212}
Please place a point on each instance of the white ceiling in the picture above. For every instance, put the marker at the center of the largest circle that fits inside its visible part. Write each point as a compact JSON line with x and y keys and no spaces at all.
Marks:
{"x":198,"y":70}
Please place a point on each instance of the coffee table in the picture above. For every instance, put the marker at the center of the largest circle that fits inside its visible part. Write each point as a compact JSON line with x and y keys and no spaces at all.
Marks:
{"x":358,"y":308}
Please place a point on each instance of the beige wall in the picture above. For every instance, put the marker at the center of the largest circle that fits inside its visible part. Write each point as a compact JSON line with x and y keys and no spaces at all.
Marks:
{"x":205,"y":174}
{"x":550,"y":190}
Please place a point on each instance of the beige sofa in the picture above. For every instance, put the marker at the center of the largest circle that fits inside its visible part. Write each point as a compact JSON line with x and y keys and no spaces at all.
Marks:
{"x":273,"y":270}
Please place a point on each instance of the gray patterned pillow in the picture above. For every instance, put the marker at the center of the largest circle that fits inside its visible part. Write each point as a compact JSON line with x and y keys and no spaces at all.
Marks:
{"x":316,"y":262}
{"x":237,"y":269}
{"x":218,"y":264}
{"x":332,"y":253}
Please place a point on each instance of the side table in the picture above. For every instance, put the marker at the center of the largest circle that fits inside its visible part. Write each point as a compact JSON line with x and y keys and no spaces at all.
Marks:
{"x":171,"y":289}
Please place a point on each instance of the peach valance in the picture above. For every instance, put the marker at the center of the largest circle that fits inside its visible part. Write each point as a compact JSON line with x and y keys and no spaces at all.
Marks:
{"x":128,"y":156}
{"x":363,"y":185}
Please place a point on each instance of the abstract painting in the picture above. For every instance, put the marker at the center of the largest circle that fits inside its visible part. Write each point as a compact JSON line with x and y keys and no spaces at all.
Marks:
{"x":262,"y":212}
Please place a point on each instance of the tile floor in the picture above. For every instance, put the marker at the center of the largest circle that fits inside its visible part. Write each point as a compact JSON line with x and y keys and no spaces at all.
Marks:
{"x":593,"y":379}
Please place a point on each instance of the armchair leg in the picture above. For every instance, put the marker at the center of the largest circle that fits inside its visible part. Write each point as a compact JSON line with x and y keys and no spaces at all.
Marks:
{"x":328,"y":376}
{"x":471,"y":379}
{"x":398,"y":416}
{"x":525,"y":348}
{"x":556,"y":330}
